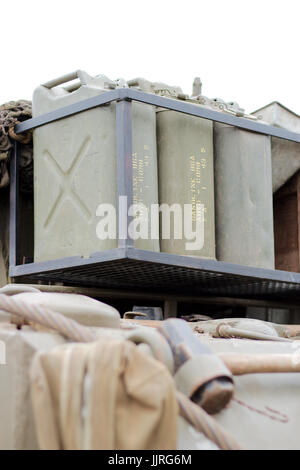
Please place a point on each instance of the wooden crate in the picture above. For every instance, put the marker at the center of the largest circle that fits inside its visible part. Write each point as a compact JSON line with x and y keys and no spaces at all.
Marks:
{"x":287,"y":225}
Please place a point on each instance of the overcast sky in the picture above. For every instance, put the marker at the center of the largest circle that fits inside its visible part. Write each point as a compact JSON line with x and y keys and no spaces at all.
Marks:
{"x":245,"y":51}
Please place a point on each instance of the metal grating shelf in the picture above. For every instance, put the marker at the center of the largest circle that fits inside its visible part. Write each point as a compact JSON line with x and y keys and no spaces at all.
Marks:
{"x":145,"y":270}
{"x":125,"y":267}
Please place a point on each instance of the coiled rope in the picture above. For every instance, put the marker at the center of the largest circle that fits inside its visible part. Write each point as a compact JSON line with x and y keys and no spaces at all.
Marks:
{"x":69,"y":328}
{"x":72,"y":330}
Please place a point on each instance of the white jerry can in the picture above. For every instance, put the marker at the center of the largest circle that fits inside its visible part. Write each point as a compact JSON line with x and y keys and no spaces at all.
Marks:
{"x":75,"y":168}
{"x":185,"y":176}
{"x":285,"y":153}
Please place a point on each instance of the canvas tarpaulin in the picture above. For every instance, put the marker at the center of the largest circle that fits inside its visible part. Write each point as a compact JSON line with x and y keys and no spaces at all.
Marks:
{"x":103,"y":395}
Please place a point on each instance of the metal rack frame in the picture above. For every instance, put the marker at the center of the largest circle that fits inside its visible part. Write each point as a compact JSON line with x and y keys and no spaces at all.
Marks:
{"x":125,"y":266}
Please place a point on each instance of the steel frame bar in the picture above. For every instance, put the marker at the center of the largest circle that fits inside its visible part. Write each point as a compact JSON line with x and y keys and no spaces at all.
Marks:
{"x":137,"y":295}
{"x":124,"y":170}
{"x":124,"y":98}
{"x":163,"y":259}
{"x":67,"y":111}
{"x":14,"y":207}
{"x":162,"y":102}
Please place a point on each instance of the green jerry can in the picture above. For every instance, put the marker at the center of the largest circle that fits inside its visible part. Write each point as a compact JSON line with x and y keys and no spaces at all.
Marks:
{"x":285,"y":154}
{"x":243,"y":192}
{"x":185,"y":177}
{"x":75,"y":169}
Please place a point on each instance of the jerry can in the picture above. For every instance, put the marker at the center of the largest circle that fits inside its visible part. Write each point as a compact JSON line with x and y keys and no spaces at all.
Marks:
{"x":185,"y":159}
{"x":243,"y":192}
{"x":185,"y":172}
{"x":75,"y":168}
{"x":285,"y":154}
{"x":244,"y":211}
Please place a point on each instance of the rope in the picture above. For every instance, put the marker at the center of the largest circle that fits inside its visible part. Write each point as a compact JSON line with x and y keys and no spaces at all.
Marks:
{"x":13,"y":113}
{"x":71,"y":329}
{"x":227,"y":331}
{"x":204,"y":423}
{"x":47,"y":317}
{"x":25,"y":138}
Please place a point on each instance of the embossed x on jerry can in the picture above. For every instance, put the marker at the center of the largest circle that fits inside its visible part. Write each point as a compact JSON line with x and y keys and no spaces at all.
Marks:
{"x":75,"y":168}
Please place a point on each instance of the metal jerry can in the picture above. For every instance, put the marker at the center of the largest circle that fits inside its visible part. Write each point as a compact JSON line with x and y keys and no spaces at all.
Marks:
{"x":285,"y":154}
{"x":243,"y":191}
{"x":185,"y":177}
{"x":185,"y":159}
{"x":75,"y":168}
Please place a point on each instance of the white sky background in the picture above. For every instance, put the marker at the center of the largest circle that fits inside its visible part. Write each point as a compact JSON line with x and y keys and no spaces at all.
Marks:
{"x":244,"y":51}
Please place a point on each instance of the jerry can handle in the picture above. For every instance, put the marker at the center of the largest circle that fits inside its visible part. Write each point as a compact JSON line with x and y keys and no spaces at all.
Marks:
{"x":82,"y":76}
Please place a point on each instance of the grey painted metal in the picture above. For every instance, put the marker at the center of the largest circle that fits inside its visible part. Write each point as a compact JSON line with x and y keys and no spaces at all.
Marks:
{"x":160,"y":101}
{"x":67,"y":263}
{"x":128,"y":266}
{"x":67,"y":111}
{"x":202,"y":264}
{"x":124,"y":168}
{"x":14,"y":207}
{"x":139,"y":296}
{"x":210,"y":265}
{"x":153,"y":272}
